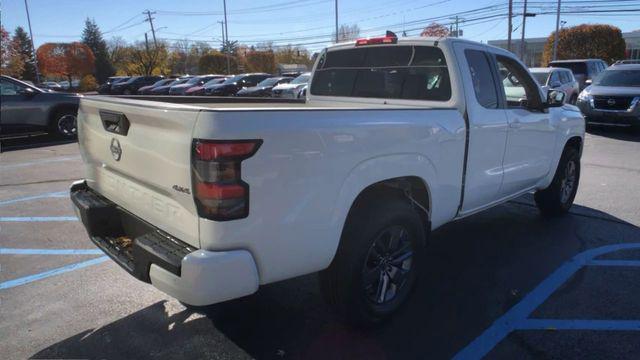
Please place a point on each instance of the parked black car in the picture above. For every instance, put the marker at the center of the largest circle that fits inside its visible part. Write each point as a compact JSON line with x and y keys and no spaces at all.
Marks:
{"x":164,"y":89}
{"x":106,"y":87}
{"x":132,"y":85}
{"x":146,"y":90}
{"x":233,"y":85}
{"x":26,"y":107}
{"x":263,"y":89}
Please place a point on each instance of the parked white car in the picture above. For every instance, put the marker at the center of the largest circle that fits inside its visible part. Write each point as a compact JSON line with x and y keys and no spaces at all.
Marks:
{"x":293,"y":89}
{"x":208,"y":201}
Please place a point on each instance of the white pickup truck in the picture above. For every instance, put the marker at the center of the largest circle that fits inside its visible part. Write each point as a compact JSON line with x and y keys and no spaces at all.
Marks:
{"x":208,"y":200}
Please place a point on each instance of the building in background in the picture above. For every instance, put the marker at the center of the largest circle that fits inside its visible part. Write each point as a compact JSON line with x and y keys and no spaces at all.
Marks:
{"x":535,"y":46}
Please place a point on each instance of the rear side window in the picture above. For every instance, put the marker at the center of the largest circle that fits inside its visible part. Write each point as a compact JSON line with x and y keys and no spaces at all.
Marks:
{"x":483,"y":83}
{"x":389,"y":72}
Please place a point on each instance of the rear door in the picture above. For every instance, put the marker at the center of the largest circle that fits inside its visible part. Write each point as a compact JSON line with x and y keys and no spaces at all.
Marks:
{"x":145,"y":169}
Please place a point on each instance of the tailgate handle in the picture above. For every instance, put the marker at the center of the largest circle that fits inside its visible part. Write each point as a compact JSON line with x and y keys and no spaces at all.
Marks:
{"x":115,"y":122}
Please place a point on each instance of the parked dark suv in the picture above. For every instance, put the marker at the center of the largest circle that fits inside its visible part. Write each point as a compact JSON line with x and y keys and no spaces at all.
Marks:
{"x":584,"y":70}
{"x":232,"y":85}
{"x":25,"y":108}
{"x":132,"y":85}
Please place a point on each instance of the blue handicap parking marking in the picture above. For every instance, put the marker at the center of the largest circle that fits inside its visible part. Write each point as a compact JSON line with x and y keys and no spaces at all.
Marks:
{"x":40,"y":252}
{"x":43,"y":275}
{"x":37,"y":218}
{"x":57,"y":194}
{"x":517,"y":318}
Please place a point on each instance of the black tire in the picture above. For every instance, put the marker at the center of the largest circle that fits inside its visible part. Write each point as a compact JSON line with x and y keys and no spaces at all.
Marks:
{"x":558,"y":197}
{"x":369,"y":225}
{"x":126,"y":92}
{"x":64,"y":124}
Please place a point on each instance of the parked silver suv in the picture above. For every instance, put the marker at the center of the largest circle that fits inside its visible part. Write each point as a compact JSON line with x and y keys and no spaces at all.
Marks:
{"x":614,"y":97}
{"x":558,"y":79}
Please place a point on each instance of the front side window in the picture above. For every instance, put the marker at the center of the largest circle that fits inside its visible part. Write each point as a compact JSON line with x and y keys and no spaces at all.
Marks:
{"x":388,"y":72}
{"x":483,"y":84}
{"x":519,"y":88}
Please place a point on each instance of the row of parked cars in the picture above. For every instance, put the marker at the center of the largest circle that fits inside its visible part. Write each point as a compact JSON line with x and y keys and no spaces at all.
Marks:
{"x":605,"y":94}
{"x":250,"y":85}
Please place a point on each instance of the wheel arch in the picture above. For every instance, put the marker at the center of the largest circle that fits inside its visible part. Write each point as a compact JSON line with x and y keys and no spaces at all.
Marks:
{"x":389,"y":174}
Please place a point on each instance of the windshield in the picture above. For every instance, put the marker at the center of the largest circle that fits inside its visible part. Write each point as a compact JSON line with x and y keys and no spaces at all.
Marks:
{"x":575,"y":67}
{"x":233,"y":79}
{"x":214,"y":81}
{"x":541,"y":77}
{"x":268,"y":82}
{"x":194,"y":80}
{"x":302,"y":79}
{"x":162,"y":82}
{"x":618,"y":78}
{"x":130,"y":80}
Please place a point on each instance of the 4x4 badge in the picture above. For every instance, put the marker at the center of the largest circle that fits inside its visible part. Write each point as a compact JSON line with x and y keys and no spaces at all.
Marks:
{"x":116,"y":150}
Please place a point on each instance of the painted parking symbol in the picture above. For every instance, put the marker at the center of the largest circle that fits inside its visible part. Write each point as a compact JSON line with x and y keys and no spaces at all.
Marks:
{"x":517,"y":318}
{"x":45,"y":252}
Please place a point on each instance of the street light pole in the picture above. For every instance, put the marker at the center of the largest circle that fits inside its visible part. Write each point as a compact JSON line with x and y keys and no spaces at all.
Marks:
{"x":33,"y":48}
{"x":510,"y":26}
{"x":524,"y":24}
{"x":555,"y":35}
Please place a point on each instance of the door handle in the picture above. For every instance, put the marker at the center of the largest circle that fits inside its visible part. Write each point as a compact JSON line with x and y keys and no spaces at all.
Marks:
{"x":515,"y":123}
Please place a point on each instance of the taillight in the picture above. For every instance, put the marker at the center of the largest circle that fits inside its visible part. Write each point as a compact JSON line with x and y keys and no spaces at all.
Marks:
{"x":218,"y":189}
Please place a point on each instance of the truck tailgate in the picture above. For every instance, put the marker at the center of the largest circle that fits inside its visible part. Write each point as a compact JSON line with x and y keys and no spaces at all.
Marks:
{"x":145,"y":170}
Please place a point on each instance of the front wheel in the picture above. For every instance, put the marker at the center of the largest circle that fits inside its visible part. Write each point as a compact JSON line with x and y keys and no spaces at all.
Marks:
{"x":558,"y":197}
{"x":377,"y":262}
{"x":65,"y":124}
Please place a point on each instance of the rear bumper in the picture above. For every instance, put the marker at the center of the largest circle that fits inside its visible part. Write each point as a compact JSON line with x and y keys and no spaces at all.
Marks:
{"x":194,"y":276}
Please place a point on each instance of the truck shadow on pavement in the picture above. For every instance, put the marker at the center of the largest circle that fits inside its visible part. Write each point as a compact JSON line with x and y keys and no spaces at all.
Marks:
{"x":32,"y":142}
{"x":477,"y":269}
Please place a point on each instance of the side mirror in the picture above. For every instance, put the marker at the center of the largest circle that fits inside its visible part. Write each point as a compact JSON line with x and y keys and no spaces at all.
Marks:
{"x":555,"y":84}
{"x":555,"y":98}
{"x":588,"y":82}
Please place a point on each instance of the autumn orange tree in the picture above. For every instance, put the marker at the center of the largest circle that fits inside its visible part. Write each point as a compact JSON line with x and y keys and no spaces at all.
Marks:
{"x":436,"y":30}
{"x":260,"y":61}
{"x":587,"y":41}
{"x":65,"y":59}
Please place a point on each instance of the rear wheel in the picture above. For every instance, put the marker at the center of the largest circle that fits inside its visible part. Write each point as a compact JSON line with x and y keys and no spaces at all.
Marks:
{"x":558,"y":197}
{"x":65,"y":124}
{"x":377,"y":262}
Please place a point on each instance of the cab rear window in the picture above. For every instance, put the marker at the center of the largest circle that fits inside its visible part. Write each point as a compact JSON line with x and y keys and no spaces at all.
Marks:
{"x":389,"y":72}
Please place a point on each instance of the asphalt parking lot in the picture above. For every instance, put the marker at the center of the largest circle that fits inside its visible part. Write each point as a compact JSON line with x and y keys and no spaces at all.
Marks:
{"x":507,"y":283}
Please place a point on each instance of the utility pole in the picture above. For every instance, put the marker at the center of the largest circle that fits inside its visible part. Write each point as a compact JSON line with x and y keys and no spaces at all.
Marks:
{"x":457,"y":20}
{"x":523,"y":47}
{"x":33,"y":49}
{"x":153,"y":31}
{"x":510,"y":26}
{"x":336,"y":21}
{"x":226,"y":31}
{"x":555,"y":34}
{"x":146,"y":42}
